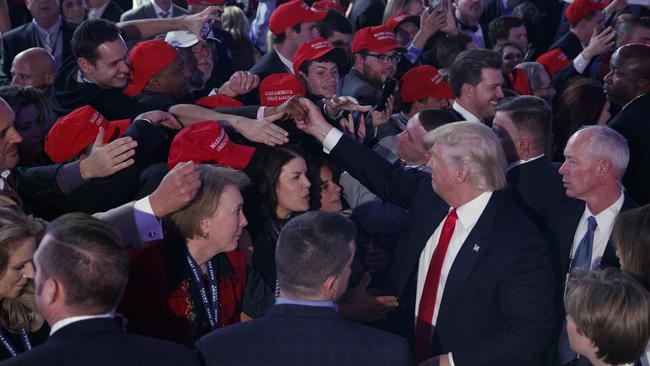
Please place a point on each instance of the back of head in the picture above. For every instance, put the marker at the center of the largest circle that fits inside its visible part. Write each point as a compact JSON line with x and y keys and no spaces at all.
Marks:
{"x":468,"y":65}
{"x":431,"y":119}
{"x":531,"y":115}
{"x":312,"y":247}
{"x":631,"y":237}
{"x":334,"y":22}
{"x":607,"y":144}
{"x":475,"y":146}
{"x":534,"y":71}
{"x":448,"y":48}
{"x":89,"y":35}
{"x":87,"y":257}
{"x":613,"y":311}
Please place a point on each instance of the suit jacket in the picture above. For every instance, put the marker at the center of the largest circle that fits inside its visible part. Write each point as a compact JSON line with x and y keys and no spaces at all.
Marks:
{"x":24,"y":37}
{"x":147,"y":11}
{"x":497,"y":305}
{"x":269,"y":64}
{"x":536,"y":187}
{"x":103,"y":342}
{"x":302,"y":335}
{"x":631,"y":122}
{"x":112,"y":12}
{"x":354,"y":84}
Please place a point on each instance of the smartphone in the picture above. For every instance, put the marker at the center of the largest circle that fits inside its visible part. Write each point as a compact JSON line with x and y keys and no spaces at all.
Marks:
{"x":207,"y":32}
{"x":439,"y":5}
{"x":389,"y":88}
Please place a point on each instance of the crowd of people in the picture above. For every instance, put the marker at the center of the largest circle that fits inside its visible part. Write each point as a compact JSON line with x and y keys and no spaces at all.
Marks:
{"x":333,"y":182}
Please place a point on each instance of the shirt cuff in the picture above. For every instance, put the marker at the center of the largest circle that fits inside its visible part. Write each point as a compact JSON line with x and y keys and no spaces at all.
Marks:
{"x":412,"y":52}
{"x":260,"y":112}
{"x":580,"y":63}
{"x":331,"y":139}
{"x":149,"y":227}
{"x":68,"y":177}
{"x":451,"y":359}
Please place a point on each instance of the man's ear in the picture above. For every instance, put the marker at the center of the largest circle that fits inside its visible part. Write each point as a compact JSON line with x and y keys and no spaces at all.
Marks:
{"x":329,"y":287}
{"x":467,"y":89}
{"x":463,"y":174}
{"x":523,"y":146}
{"x":49,"y":79}
{"x":51,"y":291}
{"x":85,"y":66}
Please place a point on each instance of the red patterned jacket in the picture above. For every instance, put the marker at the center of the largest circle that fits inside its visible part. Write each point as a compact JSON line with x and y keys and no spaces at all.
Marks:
{"x":162,"y":301}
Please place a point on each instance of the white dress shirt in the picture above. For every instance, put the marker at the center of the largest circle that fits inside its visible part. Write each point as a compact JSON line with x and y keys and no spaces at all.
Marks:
{"x":605,"y":220}
{"x":55,"y":35}
{"x":3,"y":178}
{"x":523,"y":161}
{"x":287,"y":63}
{"x":73,"y":319}
{"x":159,"y":10}
{"x":469,"y":117}
{"x":97,"y":13}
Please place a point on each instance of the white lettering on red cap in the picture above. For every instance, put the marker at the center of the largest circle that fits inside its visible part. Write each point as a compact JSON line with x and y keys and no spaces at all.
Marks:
{"x":437,"y":79}
{"x":97,"y":119}
{"x":272,"y":93}
{"x":319,"y":45}
{"x":221,"y":141}
{"x":384,"y":35}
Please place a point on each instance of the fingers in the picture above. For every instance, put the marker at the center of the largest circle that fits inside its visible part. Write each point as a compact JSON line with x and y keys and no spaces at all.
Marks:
{"x":274,"y":135}
{"x":121,"y":145}
{"x":99,"y":140}
{"x":364,"y":282}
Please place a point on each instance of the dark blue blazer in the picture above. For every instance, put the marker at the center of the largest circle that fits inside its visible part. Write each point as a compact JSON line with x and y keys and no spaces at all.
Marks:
{"x":103,"y":342}
{"x":300,"y":335}
{"x":497,"y":305}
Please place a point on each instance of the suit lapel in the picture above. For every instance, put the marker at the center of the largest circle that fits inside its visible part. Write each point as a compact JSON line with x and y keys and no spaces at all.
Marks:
{"x":474,"y":246}
{"x":572,"y":216}
{"x":149,"y":11}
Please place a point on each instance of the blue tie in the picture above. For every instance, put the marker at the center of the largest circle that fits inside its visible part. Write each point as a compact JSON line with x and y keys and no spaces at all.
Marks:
{"x":582,"y":259}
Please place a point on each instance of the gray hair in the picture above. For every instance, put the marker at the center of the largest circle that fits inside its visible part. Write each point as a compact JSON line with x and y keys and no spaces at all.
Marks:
{"x":607,"y":144}
{"x":534,"y":70}
{"x":475,"y":146}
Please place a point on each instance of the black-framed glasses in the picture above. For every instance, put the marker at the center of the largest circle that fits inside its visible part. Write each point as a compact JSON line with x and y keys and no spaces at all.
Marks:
{"x":384,"y":59}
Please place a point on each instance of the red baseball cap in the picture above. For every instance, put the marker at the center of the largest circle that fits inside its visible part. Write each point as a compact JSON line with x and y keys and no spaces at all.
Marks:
{"x":146,"y":59}
{"x":579,"y":9}
{"x":400,"y":18}
{"x":421,"y":82}
{"x":554,"y":61}
{"x":328,"y":4}
{"x":377,"y":39}
{"x":207,"y":142}
{"x":72,"y":133}
{"x":315,"y":49}
{"x":275,"y":89}
{"x":292,"y":13}
{"x":218,"y":100}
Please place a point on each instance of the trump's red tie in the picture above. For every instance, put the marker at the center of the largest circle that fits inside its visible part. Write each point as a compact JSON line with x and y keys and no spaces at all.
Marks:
{"x":427,"y":305}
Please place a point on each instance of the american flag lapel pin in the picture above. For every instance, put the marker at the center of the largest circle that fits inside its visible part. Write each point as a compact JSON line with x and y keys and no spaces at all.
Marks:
{"x":476,"y":248}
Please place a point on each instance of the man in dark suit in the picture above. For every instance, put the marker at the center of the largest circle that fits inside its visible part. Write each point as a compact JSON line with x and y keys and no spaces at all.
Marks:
{"x":81,"y":271}
{"x":155,"y":9}
{"x":579,"y":229}
{"x":523,"y":125}
{"x":292,"y":24}
{"x":313,"y":259}
{"x":495,"y":303}
{"x":48,"y":30}
{"x":105,"y":9}
{"x":628,"y":86}
{"x":476,"y":80}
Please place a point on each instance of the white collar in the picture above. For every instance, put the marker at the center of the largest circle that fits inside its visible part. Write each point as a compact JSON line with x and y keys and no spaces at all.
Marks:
{"x":288,"y":63}
{"x":469,"y":213}
{"x":524,"y":161}
{"x":469,"y":116}
{"x":3,"y":177}
{"x":97,"y":13}
{"x":54,"y":28}
{"x":633,"y":99}
{"x":73,"y":319}
{"x":607,"y":215}
{"x":159,"y":10}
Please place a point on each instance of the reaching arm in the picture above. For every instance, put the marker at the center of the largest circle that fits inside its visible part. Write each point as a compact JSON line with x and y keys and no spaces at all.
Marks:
{"x":147,"y":28}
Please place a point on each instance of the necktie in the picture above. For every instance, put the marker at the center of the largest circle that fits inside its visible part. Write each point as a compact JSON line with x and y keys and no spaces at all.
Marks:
{"x":423,"y":327}
{"x":582,"y":259}
{"x":48,"y":42}
{"x":471,"y":28}
{"x":164,"y":14}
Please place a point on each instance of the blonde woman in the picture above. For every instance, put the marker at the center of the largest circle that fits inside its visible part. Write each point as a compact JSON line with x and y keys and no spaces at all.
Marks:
{"x":244,"y":54}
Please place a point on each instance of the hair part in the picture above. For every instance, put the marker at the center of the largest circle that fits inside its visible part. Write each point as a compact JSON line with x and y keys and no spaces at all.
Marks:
{"x":475,"y":146}
{"x":311,"y":248}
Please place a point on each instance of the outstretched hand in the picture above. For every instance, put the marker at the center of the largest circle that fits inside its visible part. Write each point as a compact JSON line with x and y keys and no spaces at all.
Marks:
{"x":107,"y":159}
{"x":177,"y":188}
{"x":359,"y":305}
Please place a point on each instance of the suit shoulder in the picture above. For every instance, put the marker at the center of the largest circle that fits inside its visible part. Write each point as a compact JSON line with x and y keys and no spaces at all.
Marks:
{"x":180,"y":10}
{"x":16,"y":32}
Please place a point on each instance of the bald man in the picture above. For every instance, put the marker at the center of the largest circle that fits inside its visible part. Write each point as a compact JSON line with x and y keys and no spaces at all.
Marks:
{"x":628,"y":85}
{"x":33,"y":67}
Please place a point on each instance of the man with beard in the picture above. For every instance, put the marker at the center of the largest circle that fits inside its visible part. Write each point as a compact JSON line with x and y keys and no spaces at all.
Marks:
{"x":376,"y":54}
{"x":468,"y":14}
{"x":33,"y":67}
{"x":476,"y":80}
{"x":627,"y":85}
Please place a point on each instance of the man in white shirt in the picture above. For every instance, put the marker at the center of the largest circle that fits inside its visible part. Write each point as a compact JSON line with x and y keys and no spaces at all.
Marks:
{"x":476,"y":80}
{"x":472,"y":274}
{"x":580,"y":229}
{"x":81,"y":270}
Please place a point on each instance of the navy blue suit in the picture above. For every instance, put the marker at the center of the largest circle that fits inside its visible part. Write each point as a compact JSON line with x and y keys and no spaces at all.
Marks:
{"x":103,"y":342}
{"x":497,"y":305}
{"x":299,"y":335}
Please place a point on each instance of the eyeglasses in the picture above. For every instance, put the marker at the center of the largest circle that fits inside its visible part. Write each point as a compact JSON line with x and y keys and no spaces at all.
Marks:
{"x":200,"y":47}
{"x":384,"y":59}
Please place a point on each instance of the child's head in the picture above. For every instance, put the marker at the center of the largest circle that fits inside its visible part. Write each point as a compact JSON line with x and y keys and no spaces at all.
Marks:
{"x":608,"y":316}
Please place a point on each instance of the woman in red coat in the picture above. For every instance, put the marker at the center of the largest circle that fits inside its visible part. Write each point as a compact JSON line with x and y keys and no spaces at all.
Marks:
{"x":191,"y":282}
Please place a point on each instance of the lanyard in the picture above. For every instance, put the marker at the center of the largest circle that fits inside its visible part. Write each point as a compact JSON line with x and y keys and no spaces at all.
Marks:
{"x":211,"y":307}
{"x":10,"y":348}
